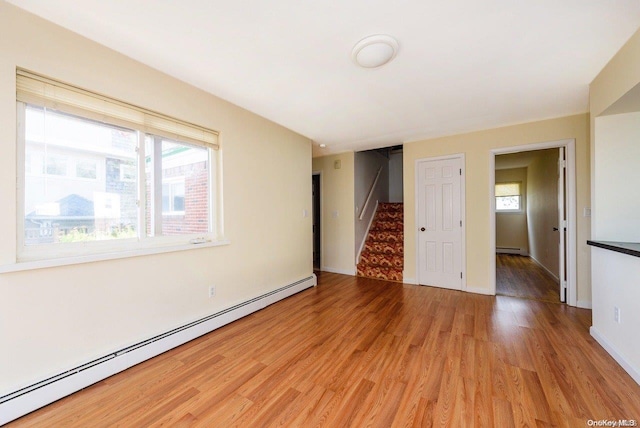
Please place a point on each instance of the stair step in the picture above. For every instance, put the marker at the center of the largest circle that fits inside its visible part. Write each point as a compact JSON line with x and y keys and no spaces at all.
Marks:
{"x":389,"y":274}
{"x":385,"y":236}
{"x":384,"y":247}
{"x":390,"y":206}
{"x":390,"y":215}
{"x":387,"y":225}
{"x":381,"y":260}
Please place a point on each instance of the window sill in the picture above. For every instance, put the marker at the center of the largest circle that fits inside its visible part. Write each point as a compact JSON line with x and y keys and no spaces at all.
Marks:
{"x":74,"y":260}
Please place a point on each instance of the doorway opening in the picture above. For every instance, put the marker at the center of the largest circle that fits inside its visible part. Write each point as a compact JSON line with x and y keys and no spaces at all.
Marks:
{"x":533,"y":221}
{"x":315,"y":186}
{"x":379,"y":208}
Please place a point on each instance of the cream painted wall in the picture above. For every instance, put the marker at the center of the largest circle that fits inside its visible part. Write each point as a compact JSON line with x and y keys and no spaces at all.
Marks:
{"x":56,"y":318}
{"x":615,"y":164}
{"x":615,"y":284}
{"x":618,"y":77}
{"x":366,"y":165}
{"x":542,"y":210}
{"x":477,"y":147}
{"x":338,"y":212}
{"x":617,"y":178}
{"x":511,"y":228}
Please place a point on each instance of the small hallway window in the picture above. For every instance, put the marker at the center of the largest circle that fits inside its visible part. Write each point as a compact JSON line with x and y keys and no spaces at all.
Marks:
{"x":509,"y":197}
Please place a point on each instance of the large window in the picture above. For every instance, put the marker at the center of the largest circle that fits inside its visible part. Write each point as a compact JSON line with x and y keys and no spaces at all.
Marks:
{"x":508,"y":197}
{"x":96,"y":175}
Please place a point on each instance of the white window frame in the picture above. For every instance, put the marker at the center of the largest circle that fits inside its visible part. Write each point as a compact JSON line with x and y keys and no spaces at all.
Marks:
{"x":43,"y":255}
{"x":171,"y":182}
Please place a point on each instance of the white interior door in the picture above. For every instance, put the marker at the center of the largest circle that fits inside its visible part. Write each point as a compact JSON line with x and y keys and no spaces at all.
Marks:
{"x":440,"y":223}
{"x":562,"y":224}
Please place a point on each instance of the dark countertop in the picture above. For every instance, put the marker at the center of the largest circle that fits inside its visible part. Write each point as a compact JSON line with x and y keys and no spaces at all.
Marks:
{"x":630,"y":248}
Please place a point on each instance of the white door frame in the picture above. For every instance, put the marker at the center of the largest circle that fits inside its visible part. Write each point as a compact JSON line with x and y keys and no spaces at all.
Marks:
{"x":463,"y":240}
{"x":562,"y":231}
{"x":571,"y":246}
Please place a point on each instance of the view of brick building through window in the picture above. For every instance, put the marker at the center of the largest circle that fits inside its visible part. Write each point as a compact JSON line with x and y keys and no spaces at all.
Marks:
{"x":185,"y":190}
{"x":196,"y":202}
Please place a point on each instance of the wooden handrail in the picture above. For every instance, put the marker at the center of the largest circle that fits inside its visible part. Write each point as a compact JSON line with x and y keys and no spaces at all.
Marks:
{"x":373,"y":186}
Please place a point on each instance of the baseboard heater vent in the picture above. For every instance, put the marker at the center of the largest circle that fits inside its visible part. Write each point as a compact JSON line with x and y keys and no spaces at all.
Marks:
{"x":511,"y":250}
{"x":32,"y":397}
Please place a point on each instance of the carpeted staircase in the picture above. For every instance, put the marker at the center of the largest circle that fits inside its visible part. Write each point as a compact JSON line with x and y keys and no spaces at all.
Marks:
{"x":383,"y":253}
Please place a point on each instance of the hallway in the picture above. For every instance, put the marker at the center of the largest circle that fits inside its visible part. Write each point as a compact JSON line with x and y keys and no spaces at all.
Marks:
{"x":520,"y":276}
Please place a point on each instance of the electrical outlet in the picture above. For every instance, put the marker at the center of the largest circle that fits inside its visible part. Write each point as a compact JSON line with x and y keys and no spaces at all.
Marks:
{"x":212,"y":290}
{"x":616,"y":314}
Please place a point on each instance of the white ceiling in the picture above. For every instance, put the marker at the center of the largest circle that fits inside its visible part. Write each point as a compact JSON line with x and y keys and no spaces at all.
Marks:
{"x":463,"y":65}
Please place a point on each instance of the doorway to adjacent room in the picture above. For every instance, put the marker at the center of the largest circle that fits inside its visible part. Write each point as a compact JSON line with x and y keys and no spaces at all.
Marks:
{"x":533,"y":220}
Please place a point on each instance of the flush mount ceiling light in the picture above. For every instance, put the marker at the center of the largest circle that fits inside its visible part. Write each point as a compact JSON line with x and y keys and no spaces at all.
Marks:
{"x":374,"y":51}
{"x":322,"y":145}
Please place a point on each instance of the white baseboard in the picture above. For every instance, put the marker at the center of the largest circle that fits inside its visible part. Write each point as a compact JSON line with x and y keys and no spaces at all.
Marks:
{"x":584,"y":304}
{"x":545,"y":268}
{"x":28,"y":399}
{"x":478,"y":290}
{"x":411,"y":281}
{"x":624,"y":363}
{"x":351,"y":272}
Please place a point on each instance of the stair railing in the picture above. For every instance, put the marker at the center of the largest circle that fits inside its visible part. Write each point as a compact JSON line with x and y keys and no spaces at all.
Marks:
{"x":364,"y":238}
{"x":373,"y":187}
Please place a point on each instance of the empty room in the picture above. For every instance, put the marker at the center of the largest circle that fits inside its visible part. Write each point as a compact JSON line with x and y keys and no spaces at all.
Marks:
{"x":295,"y":214}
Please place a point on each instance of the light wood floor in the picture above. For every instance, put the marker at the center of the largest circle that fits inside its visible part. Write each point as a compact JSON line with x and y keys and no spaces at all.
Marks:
{"x":520,"y":276}
{"x":362,"y":352}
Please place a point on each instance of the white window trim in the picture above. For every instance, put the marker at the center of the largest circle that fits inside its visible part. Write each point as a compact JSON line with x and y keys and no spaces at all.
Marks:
{"x":48,"y":255}
{"x":89,"y":258}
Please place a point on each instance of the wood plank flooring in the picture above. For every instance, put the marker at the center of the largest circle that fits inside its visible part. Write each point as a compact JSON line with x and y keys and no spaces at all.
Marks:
{"x":520,"y":276}
{"x":364,"y":352}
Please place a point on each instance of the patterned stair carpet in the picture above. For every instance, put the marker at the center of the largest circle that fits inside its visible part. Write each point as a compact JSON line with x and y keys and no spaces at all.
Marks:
{"x":383,"y":253}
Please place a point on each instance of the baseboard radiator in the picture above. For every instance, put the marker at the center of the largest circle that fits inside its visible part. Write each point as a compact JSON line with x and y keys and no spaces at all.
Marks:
{"x":511,"y":250}
{"x":30,"y":398}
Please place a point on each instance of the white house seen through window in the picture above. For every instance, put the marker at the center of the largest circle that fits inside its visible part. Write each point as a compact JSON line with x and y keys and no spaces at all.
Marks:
{"x":87,"y":202}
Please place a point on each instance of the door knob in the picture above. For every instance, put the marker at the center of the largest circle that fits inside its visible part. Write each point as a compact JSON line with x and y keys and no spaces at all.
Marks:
{"x":422,"y":229}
